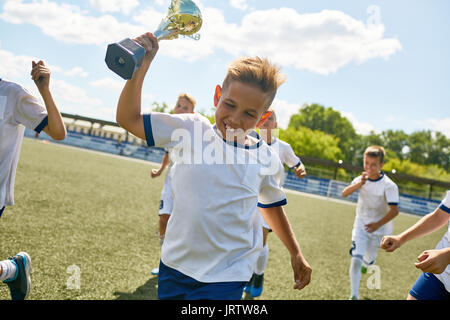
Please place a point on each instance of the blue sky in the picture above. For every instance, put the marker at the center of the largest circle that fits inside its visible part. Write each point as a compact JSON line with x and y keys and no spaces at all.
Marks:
{"x":382,"y":64}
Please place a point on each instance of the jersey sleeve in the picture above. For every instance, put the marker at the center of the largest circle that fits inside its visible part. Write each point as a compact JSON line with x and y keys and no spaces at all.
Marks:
{"x":391,"y":194}
{"x":291,"y":159}
{"x":29,"y":112}
{"x":271,"y":194}
{"x":445,"y":204}
{"x":160,"y":128}
{"x":356,"y":180}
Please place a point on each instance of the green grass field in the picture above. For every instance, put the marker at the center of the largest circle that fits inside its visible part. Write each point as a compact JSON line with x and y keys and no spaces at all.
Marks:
{"x":99,"y":213}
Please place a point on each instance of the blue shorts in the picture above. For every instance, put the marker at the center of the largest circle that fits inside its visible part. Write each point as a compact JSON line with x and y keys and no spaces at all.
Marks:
{"x":1,"y":211}
{"x":428,"y":287}
{"x":174,"y":285}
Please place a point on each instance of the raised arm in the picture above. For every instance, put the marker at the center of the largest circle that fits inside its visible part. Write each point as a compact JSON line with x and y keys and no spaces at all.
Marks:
{"x":128,"y":114}
{"x":55,"y":127}
{"x":353,"y":187}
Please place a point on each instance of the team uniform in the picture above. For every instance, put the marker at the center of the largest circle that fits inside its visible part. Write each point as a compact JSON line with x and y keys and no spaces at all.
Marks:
{"x":287,"y":157}
{"x":431,"y":286}
{"x":18,"y":110}
{"x":374,"y":199}
{"x":213,"y":237}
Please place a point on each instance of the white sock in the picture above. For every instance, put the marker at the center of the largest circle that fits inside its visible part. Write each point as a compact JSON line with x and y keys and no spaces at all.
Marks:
{"x":262,"y":260}
{"x":355,"y":276}
{"x":8,"y":270}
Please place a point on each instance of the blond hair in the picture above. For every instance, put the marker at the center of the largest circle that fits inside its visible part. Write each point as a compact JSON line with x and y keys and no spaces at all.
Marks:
{"x":375,"y":152}
{"x":256,"y":71}
{"x":188,"y":97}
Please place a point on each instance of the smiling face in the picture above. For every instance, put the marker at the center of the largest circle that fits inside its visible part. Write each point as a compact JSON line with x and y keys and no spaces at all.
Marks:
{"x":372,"y":165}
{"x":239,"y":109}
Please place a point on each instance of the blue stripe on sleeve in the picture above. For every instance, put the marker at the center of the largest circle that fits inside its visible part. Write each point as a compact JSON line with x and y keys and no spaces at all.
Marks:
{"x":442,"y":207}
{"x":393,"y":203}
{"x":275,"y":204}
{"x":299,"y":163}
{"x":148,"y":130}
{"x":42,"y":125}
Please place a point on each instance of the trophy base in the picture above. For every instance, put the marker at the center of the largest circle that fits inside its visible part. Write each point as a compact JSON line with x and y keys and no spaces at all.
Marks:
{"x":124,"y":58}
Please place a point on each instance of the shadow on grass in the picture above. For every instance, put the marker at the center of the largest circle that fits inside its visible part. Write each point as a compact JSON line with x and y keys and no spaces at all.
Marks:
{"x":148,"y":291}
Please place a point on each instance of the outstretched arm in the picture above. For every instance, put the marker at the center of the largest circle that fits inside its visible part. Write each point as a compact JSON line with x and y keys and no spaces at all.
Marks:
{"x":55,"y":127}
{"x":278,"y":222}
{"x":128,"y":114}
{"x":424,"y":226}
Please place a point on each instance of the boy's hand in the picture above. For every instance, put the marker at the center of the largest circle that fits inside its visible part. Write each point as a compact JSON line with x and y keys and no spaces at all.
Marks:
{"x":40,"y":75}
{"x":371,"y":227}
{"x":433,"y":261}
{"x":300,"y":171}
{"x":364,"y":177}
{"x":390,"y":243}
{"x":155,"y":173}
{"x":150,"y":44}
{"x":302,"y":272}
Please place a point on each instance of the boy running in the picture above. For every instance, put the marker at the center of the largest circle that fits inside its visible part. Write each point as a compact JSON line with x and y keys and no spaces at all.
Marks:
{"x":212,"y":241}
{"x":377,"y":206}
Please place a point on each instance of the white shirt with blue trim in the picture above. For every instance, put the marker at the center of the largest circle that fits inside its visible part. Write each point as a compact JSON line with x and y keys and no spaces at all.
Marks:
{"x":286,"y":154}
{"x":445,"y":243}
{"x":374,"y":199}
{"x":212,"y":235}
{"x":18,"y":109}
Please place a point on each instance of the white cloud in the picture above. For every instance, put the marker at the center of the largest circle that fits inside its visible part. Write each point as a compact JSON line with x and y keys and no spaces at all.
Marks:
{"x":108,"y":83}
{"x":124,"y":6}
{"x":14,"y":66}
{"x":362,"y":128}
{"x":284,"y":110}
{"x":67,"y":23}
{"x":77,"y":72}
{"x":320,"y":42}
{"x":239,"y":4}
{"x":441,"y":125}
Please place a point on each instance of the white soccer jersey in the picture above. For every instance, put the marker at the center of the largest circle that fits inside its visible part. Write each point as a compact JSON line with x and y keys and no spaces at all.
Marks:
{"x":286,"y":154}
{"x":18,"y":109}
{"x":212,"y":235}
{"x":445,"y":243}
{"x":374,"y":199}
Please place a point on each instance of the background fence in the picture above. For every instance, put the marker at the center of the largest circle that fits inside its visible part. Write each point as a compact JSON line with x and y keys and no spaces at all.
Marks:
{"x":318,"y":181}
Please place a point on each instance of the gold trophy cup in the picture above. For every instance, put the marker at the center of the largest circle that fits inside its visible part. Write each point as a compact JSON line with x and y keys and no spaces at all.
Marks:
{"x":183,"y":18}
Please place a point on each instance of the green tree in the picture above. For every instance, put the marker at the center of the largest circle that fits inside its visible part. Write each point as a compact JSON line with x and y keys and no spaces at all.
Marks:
{"x":317,"y":117}
{"x":314,"y":143}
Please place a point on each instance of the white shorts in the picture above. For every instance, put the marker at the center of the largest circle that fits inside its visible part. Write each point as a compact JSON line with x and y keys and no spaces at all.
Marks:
{"x":166,"y":203}
{"x":365,"y":245}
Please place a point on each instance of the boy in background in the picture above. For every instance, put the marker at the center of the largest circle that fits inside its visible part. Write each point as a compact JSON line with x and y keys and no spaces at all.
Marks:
{"x":289,"y":158}
{"x":185,"y":104}
{"x":376,"y":208}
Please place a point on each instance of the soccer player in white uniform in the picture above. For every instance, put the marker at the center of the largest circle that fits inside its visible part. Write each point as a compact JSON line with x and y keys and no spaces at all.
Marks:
{"x":289,"y":158}
{"x":376,"y":208}
{"x":220,"y":175}
{"x":20,"y":110}
{"x":434,"y":282}
{"x":185,"y":104}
